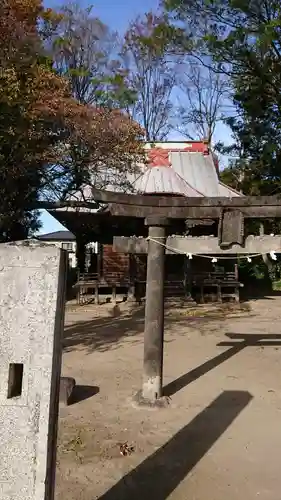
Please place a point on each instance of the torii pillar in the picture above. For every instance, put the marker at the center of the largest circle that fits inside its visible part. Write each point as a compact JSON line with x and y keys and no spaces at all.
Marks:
{"x":154,"y":310}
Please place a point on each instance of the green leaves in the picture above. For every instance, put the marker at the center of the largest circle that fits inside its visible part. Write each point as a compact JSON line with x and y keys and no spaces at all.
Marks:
{"x":244,"y":37}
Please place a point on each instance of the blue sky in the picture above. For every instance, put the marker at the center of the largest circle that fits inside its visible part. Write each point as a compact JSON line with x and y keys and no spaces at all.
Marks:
{"x":117,"y":14}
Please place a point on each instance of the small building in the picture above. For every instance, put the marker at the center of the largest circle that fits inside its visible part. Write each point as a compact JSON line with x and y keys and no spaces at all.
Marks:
{"x":67,"y":241}
{"x":62,"y":239}
{"x":188,"y":169}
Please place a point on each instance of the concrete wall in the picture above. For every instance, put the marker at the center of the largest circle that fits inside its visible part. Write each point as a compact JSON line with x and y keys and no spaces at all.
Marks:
{"x":32,"y":296}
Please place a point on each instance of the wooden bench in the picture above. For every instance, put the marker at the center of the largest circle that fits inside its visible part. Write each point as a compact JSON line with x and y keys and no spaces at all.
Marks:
{"x":91,"y":281}
{"x":225,"y":284}
{"x":172,"y":288}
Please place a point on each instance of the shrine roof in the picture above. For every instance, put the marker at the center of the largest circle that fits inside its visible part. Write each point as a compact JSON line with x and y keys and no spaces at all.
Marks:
{"x":186,"y":169}
{"x":181,"y":172}
{"x":163,"y":180}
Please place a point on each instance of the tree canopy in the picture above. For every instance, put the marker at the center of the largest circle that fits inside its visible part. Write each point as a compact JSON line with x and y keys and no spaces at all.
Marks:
{"x":244,"y":39}
{"x":41,"y":122}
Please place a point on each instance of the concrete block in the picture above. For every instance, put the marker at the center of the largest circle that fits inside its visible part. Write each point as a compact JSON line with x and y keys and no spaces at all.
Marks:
{"x":32,"y":297}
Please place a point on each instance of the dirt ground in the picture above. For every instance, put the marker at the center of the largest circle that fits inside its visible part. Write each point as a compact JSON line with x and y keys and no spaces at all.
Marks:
{"x":220,"y":437}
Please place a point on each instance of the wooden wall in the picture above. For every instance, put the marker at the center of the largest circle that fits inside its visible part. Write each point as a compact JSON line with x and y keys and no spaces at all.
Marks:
{"x":114,"y":263}
{"x":124,"y":265}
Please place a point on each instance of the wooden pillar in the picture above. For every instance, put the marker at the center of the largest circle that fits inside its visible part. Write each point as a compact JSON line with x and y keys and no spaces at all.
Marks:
{"x":237,"y":295}
{"x":97,"y":293}
{"x":99,"y":261}
{"x":154,"y":310}
{"x":187,"y":277}
{"x":131,"y":296}
{"x":81,"y":255}
{"x":113,"y":294}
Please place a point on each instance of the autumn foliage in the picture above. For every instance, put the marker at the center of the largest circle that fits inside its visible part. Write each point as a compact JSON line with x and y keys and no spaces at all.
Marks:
{"x":43,"y":129}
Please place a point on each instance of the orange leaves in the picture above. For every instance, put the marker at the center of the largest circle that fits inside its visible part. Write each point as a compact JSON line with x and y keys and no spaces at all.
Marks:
{"x":114,"y":132}
{"x":108,"y":138}
{"x":49,"y":142}
{"x":20,"y":16}
{"x":39,"y":115}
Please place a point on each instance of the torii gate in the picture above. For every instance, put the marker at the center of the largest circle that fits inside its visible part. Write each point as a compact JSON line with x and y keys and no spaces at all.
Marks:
{"x":158,"y":213}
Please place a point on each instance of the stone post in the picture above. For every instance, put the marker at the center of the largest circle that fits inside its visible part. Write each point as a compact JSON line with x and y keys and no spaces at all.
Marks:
{"x":154,"y":310}
{"x":32,"y":297}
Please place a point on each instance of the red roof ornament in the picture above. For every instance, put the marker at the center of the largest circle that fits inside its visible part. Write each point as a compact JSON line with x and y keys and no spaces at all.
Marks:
{"x":198,"y":147}
{"x":159,"y":157}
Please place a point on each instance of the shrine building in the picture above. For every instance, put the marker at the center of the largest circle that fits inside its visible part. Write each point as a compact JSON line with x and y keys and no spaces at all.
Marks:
{"x":185,"y":169}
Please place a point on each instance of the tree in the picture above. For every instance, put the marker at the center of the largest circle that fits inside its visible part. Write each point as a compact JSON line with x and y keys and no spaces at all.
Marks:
{"x":40,"y":121}
{"x":85,"y":51}
{"x":204,"y":97}
{"x":28,"y":102}
{"x":151,"y":76}
{"x":108,"y":148}
{"x":245,"y":39}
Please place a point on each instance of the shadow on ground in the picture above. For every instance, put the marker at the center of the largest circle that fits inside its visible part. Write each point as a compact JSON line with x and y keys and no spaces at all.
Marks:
{"x":244,"y":341}
{"x":102,"y":334}
{"x":82,"y":392}
{"x":159,"y":475}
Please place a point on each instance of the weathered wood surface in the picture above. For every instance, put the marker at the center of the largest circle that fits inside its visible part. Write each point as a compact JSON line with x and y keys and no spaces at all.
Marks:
{"x":180,"y":201}
{"x":231,"y":228}
{"x":201,"y":245}
{"x":190,"y":212}
{"x":179,"y":207}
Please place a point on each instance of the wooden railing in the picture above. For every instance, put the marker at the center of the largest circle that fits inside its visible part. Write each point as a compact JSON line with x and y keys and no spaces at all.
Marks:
{"x":114,"y":277}
{"x":218,"y":280}
{"x":87,"y":277}
{"x":215,"y":277}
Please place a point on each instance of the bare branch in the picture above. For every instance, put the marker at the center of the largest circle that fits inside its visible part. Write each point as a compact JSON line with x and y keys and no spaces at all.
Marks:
{"x":85,"y":51}
{"x":204,"y":100}
{"x":151,"y":75}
